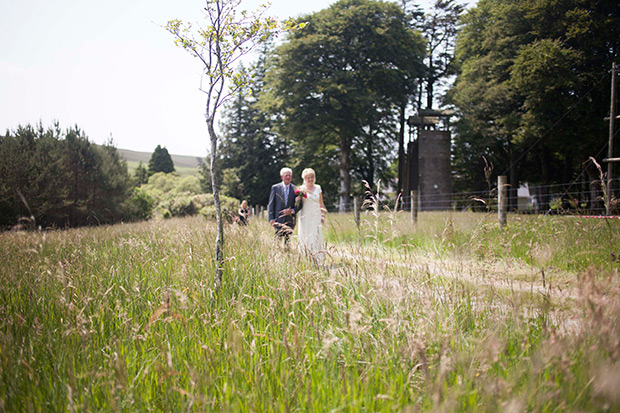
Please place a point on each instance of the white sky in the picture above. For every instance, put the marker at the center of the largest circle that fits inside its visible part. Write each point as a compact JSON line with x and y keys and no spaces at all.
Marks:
{"x":110,"y":68}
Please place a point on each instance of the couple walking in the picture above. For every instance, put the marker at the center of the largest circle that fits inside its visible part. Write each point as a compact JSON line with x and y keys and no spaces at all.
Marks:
{"x":286,"y":202}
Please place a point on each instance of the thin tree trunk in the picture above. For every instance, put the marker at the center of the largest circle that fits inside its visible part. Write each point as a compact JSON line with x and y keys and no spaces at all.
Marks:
{"x":371,"y":163}
{"x":430,"y":84}
{"x":345,"y":177}
{"x":219,"y":239}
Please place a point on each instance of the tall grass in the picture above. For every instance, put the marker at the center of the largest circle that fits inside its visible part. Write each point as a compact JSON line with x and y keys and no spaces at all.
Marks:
{"x":565,"y":243}
{"x":125,"y":318}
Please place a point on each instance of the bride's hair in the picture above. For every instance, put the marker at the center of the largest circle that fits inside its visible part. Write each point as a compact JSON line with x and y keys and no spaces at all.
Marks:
{"x":307,"y":171}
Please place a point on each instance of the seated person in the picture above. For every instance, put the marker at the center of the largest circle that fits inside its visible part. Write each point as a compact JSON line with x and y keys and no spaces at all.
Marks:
{"x":244,"y":213}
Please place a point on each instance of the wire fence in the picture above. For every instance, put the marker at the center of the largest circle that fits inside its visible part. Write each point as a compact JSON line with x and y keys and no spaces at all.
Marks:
{"x":576,"y":198}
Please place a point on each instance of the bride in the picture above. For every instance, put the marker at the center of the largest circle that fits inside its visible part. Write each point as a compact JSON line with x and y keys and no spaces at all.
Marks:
{"x":311,"y":217}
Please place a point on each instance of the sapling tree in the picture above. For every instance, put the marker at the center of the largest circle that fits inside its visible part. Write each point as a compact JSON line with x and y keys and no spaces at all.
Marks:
{"x":223,"y":39}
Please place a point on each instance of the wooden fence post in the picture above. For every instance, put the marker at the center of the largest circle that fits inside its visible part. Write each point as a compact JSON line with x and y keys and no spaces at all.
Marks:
{"x":356,"y":211}
{"x":414,"y":206}
{"x":502,"y":200}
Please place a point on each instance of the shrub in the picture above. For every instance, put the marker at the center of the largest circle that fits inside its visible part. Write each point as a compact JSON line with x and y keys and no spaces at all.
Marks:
{"x":140,"y":205}
{"x":176,"y":196}
{"x":189,"y":184}
{"x":230,"y":207}
{"x":162,"y":181}
{"x":182,"y":206}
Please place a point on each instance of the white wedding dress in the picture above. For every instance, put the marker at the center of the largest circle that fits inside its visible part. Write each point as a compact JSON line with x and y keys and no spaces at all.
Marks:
{"x":310,"y":235}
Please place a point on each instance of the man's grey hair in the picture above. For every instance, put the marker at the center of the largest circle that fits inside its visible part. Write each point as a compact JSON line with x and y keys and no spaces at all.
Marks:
{"x":284,"y":170}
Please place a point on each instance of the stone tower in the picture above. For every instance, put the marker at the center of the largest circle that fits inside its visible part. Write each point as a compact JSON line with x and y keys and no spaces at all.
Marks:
{"x":430,"y":171}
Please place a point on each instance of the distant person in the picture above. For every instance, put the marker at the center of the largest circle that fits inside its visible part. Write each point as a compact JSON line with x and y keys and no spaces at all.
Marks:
{"x":281,"y":207}
{"x":311,"y":216}
{"x":244,"y":213}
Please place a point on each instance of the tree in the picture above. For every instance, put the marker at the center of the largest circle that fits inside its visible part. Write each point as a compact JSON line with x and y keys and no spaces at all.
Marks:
{"x":337,"y":81}
{"x":141,"y":174}
{"x":251,"y":151}
{"x":530,"y":91}
{"x":218,"y":45}
{"x":34,"y":176}
{"x":60,"y":179}
{"x":439,"y":28}
{"x":160,"y":161}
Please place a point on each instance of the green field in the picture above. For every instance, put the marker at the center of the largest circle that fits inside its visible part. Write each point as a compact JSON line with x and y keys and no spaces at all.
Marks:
{"x":183,"y":165}
{"x":181,"y":170}
{"x":449,"y":314}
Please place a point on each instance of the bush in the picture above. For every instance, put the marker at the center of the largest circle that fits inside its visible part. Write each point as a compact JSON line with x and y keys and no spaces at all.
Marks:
{"x":182,"y":206}
{"x":202,"y":200}
{"x":189,"y":184}
{"x":230,"y":207}
{"x":140,"y":205}
{"x":176,"y":196}
{"x":162,"y":181}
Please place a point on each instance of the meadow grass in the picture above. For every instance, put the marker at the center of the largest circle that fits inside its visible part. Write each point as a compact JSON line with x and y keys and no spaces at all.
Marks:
{"x":562,"y":242}
{"x":181,"y":170}
{"x":436,"y":315}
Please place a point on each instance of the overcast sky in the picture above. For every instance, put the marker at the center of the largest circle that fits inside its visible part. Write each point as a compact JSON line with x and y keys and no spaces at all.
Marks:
{"x":110,"y":68}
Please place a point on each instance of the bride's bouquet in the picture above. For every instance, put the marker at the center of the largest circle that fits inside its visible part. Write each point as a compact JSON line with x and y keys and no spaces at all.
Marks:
{"x":300,"y":194}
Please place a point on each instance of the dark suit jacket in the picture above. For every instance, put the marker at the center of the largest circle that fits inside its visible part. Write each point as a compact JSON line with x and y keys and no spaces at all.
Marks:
{"x":277,"y":203}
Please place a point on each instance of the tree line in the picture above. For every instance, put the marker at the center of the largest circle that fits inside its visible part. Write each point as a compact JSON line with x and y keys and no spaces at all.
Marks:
{"x":52,"y":177}
{"x":533,"y":90}
{"x":528,"y":81}
{"x":55,"y":178}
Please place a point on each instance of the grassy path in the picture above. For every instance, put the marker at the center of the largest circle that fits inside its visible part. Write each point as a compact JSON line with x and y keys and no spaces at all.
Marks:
{"x":511,"y":276}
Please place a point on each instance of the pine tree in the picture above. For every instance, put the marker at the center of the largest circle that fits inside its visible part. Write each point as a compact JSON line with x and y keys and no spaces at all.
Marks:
{"x":141,"y":175}
{"x":60,"y":179}
{"x":160,"y":161}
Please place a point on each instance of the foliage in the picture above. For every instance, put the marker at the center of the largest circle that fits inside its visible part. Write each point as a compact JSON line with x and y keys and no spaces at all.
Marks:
{"x":162,"y":182}
{"x":141,"y":174}
{"x":206,"y":208}
{"x":121,"y":318}
{"x":58,"y":178}
{"x":439,"y":27}
{"x":188,"y":184}
{"x":338,"y":86}
{"x":204,"y":172}
{"x":179,"y":196}
{"x":140,"y":205}
{"x":533,"y":88}
{"x":160,"y":161}
{"x":180,"y":205}
{"x":251,"y":152}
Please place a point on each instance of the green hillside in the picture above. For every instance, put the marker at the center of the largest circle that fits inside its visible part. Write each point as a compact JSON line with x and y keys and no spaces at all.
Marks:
{"x":183,"y":164}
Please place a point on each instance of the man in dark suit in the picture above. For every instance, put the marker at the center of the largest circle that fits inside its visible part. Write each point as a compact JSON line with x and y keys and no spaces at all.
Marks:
{"x":282,"y":205}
